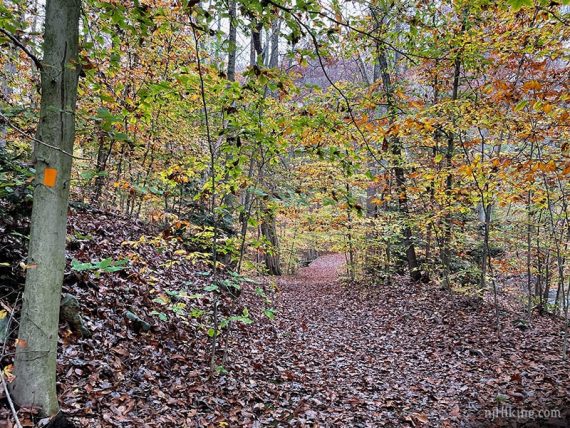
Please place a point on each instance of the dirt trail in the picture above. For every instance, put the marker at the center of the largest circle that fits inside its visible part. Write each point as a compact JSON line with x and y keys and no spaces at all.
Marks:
{"x":404,"y":355}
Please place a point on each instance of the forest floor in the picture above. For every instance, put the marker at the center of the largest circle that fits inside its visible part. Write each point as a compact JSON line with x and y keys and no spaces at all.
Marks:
{"x":402,"y":355}
{"x":336,"y":355}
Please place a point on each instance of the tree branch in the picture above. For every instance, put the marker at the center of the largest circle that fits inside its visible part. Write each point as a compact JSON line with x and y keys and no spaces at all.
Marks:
{"x":19,"y":44}
{"x":35,"y":140}
{"x":336,"y":88}
{"x":409,"y":56}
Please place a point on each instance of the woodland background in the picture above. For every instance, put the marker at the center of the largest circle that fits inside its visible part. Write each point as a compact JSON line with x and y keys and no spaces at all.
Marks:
{"x":241,"y":138}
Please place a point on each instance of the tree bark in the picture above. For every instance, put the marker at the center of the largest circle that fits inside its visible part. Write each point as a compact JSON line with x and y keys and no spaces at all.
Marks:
{"x":400,"y":175}
{"x":274,"y":54}
{"x":268,"y":224}
{"x":268,"y":230}
{"x":232,"y":39}
{"x":446,"y":248}
{"x":35,"y":361}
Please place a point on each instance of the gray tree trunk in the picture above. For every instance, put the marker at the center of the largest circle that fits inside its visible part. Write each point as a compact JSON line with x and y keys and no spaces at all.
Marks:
{"x":232,"y":38}
{"x":268,"y":224}
{"x":274,"y":54}
{"x":35,"y":361}
{"x":269,"y":231}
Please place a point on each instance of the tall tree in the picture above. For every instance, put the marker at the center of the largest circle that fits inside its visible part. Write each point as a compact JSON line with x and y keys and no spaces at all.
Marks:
{"x":232,"y":38}
{"x":35,"y":362}
{"x":382,"y":72}
{"x":268,"y":224}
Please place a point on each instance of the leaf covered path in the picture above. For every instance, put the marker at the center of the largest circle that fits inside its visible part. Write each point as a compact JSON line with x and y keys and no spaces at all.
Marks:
{"x":399,"y":355}
{"x":336,"y":355}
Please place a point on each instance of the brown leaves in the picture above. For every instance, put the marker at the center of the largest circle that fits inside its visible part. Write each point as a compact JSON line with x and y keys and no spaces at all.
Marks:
{"x":404,"y":355}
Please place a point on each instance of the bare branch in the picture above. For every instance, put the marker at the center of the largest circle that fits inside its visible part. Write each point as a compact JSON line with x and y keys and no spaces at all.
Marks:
{"x":19,"y":44}
{"x":35,"y":140}
{"x":409,"y":56}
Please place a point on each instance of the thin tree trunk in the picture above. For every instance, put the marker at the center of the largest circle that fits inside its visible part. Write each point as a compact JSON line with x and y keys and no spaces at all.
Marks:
{"x":6,"y":92}
{"x":274,"y":54}
{"x":268,"y":224}
{"x":268,"y":230}
{"x":413,"y":265}
{"x":446,"y":243}
{"x":446,"y":247}
{"x":35,"y":361}
{"x":529,"y":256}
{"x":232,"y":39}
{"x":408,"y":242}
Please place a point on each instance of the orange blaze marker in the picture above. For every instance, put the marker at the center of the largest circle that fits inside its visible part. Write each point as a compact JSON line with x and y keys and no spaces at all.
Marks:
{"x":50,"y":177}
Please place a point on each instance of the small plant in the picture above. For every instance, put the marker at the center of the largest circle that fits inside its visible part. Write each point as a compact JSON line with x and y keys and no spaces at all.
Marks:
{"x":174,"y":301}
{"x":269,"y":311}
{"x":107,"y":265}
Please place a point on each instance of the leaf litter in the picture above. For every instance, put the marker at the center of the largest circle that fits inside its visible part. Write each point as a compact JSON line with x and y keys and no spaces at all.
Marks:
{"x":336,"y":354}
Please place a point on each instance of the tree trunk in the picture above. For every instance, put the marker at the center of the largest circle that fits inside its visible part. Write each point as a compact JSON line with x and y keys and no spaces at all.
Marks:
{"x":446,"y":248}
{"x":268,"y":225}
{"x":413,"y":265}
{"x":232,"y":39}
{"x":6,"y":93}
{"x":274,"y":54}
{"x":399,"y":173}
{"x":35,"y":361}
{"x":268,"y":230}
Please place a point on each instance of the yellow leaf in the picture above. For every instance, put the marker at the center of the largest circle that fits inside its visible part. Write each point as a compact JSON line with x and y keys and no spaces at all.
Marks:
{"x":8,"y":372}
{"x":377,"y":201}
{"x":531,"y":85}
{"x":25,"y":266}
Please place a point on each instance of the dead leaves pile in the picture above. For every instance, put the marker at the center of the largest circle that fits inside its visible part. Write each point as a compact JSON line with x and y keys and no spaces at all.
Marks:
{"x":336,"y":355}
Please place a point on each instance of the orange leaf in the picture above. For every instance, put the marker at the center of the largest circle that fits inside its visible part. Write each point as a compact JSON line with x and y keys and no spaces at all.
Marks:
{"x":531,"y":85}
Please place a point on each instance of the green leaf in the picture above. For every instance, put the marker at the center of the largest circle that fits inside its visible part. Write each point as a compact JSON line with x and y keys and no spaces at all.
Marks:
{"x":519,"y":4}
{"x":221,"y":370}
{"x":160,"y":300}
{"x":521,"y":105}
{"x":80,"y":267}
{"x":88,"y":175}
{"x":105,"y":263}
{"x":196,"y":313}
{"x":211,"y":287}
{"x":161,"y":315}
